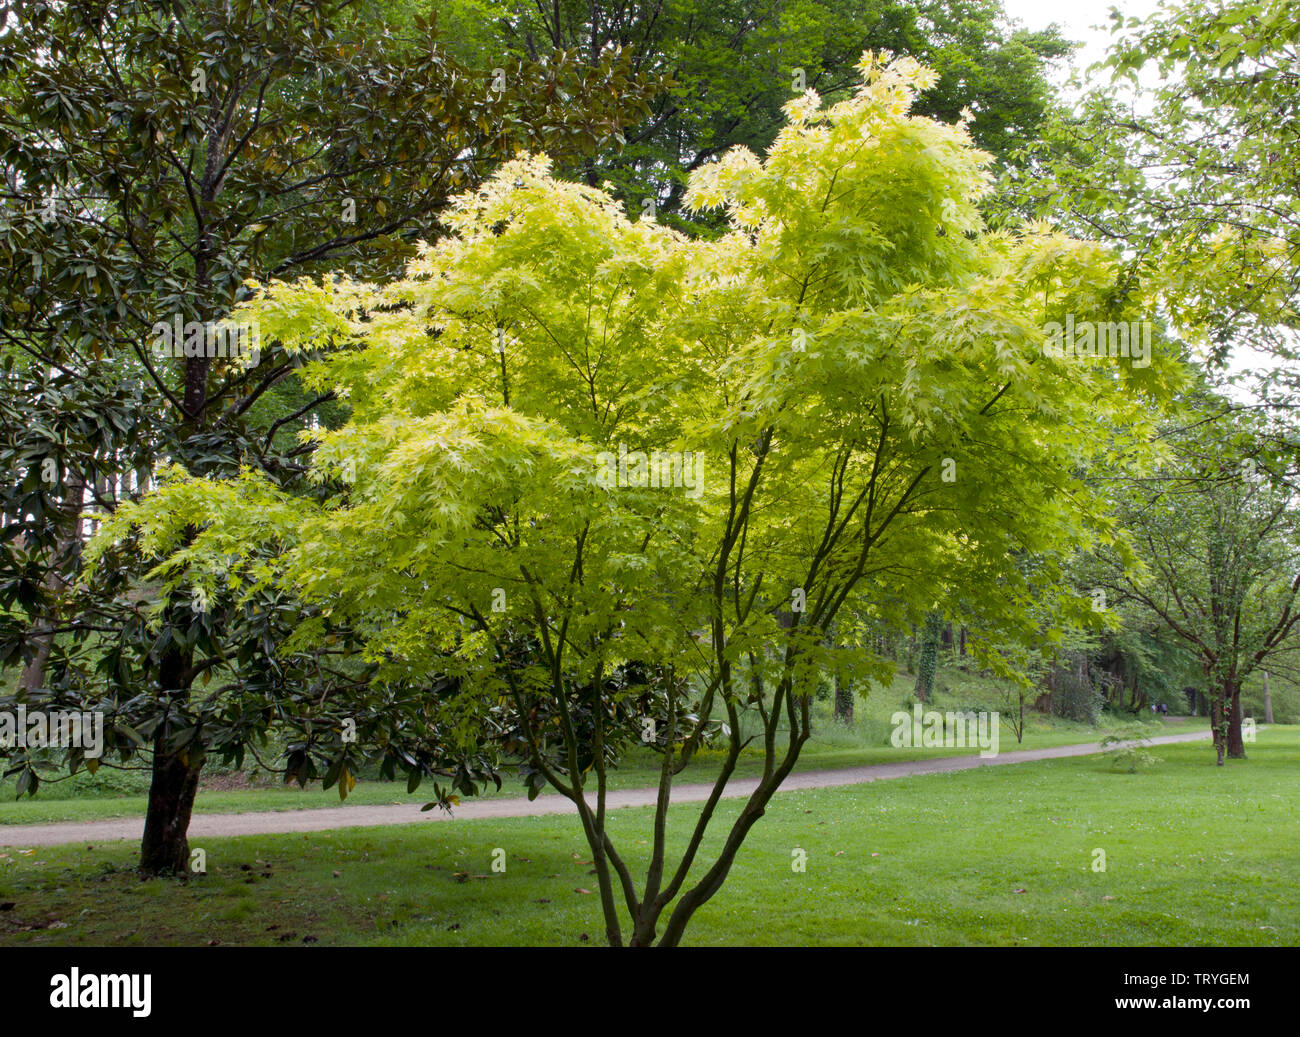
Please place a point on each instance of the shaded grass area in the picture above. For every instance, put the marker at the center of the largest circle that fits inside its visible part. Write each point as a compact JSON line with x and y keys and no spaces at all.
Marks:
{"x":1195,"y":855}
{"x":114,"y":793}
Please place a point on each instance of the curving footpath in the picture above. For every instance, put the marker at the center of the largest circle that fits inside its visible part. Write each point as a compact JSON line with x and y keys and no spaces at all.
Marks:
{"x":272,"y":822}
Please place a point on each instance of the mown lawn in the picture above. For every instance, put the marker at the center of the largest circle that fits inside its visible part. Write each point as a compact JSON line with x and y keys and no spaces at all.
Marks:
{"x":1195,"y":855}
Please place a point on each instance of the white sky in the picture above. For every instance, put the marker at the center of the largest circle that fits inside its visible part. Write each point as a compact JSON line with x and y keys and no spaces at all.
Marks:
{"x":1087,"y":21}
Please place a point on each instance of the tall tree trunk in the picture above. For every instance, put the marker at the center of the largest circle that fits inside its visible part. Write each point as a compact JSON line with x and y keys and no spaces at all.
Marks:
{"x":1047,"y":701}
{"x":843,"y":699}
{"x":1268,"y":701}
{"x":1236,"y":747}
{"x":929,"y":660}
{"x":165,"y":848}
{"x":1219,"y":722}
{"x":33,"y":674}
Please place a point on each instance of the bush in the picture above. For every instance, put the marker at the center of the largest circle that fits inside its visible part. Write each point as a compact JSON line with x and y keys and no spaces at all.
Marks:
{"x":1124,"y":748}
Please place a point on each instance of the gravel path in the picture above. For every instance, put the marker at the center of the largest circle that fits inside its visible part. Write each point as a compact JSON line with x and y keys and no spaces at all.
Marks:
{"x":323,"y":818}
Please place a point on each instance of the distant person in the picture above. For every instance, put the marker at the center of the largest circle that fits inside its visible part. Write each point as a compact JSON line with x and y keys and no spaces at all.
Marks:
{"x":1164,"y":709}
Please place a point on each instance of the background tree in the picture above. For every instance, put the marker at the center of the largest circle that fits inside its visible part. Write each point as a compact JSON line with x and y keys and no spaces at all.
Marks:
{"x":1199,"y":178}
{"x":928,"y":660}
{"x":735,"y":64}
{"x":1216,"y":531}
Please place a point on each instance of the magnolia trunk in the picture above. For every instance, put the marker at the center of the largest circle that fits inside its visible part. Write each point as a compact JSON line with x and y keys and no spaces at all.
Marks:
{"x":165,"y":848}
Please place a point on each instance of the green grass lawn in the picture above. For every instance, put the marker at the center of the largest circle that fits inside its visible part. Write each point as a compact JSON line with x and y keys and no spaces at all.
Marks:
{"x":1195,"y":855}
{"x":114,"y":793}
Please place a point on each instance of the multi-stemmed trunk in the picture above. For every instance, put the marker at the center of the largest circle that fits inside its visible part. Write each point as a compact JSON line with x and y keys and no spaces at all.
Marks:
{"x":646,"y":915}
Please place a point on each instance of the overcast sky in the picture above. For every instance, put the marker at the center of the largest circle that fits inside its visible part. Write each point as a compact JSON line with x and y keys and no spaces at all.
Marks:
{"x":1087,"y":21}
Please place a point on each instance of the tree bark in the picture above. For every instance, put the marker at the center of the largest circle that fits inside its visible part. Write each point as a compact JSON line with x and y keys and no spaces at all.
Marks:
{"x":33,"y":674}
{"x":843,"y":700}
{"x":929,"y":661}
{"x":1236,"y":747}
{"x":165,"y":848}
{"x":1268,"y":701}
{"x":1219,"y":723}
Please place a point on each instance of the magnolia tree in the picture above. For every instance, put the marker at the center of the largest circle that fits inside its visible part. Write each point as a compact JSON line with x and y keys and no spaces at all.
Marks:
{"x":617,"y":484}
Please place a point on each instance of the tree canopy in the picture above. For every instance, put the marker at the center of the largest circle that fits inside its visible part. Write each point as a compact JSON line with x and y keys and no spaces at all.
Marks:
{"x":583,"y":448}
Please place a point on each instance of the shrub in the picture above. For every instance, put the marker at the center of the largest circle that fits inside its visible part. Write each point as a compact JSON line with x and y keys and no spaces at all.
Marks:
{"x":1124,"y":748}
